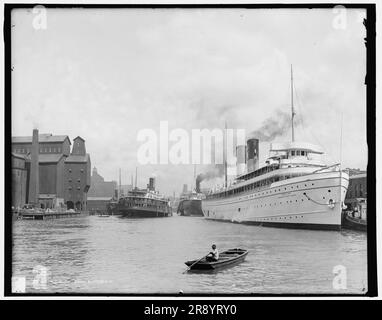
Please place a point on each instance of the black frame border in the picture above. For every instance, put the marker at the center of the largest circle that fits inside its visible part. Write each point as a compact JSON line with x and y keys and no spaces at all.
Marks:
{"x":370,"y":81}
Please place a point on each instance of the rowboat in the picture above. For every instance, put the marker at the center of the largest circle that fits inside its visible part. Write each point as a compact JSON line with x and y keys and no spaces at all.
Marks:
{"x":226,"y":258}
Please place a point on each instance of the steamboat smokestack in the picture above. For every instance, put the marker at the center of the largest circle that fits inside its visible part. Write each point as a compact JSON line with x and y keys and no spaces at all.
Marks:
{"x":197,"y":185}
{"x":34,"y":170}
{"x":240,"y":159}
{"x":151,"y":185}
{"x":252,"y":154}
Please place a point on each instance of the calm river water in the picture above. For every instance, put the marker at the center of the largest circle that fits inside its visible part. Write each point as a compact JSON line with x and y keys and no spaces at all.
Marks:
{"x":94,"y":254}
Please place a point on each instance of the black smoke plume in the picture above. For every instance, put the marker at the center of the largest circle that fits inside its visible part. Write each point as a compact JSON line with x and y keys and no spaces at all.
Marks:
{"x":215,"y":172}
{"x":272,"y":127}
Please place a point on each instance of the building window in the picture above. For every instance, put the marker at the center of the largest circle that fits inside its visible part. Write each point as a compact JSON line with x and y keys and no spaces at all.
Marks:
{"x":78,"y":180}
{"x":70,"y":170}
{"x":70,"y":180}
{"x":78,"y":188}
{"x":58,"y":149}
{"x":82,"y":170}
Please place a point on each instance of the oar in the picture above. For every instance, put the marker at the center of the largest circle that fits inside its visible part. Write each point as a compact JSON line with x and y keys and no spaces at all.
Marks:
{"x":189,"y":268}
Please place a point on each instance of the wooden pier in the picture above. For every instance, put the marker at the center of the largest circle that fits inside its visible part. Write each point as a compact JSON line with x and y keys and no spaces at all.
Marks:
{"x":50,"y":215}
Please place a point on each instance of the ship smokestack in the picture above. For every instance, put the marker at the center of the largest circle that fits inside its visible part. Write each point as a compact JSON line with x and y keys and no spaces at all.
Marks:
{"x":240,"y":159}
{"x":151,"y":185}
{"x":34,"y":170}
{"x":252,"y":154}
{"x":197,"y":185}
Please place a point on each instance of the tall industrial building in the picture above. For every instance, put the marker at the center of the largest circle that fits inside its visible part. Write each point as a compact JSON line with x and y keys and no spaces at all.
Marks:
{"x":77,"y":176}
{"x":99,"y":187}
{"x":49,"y":165}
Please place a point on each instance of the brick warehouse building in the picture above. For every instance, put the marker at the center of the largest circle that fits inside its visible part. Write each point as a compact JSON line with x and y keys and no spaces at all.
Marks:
{"x":101,"y":188}
{"x":53,"y":173}
{"x":77,"y":176}
{"x":19,"y":180}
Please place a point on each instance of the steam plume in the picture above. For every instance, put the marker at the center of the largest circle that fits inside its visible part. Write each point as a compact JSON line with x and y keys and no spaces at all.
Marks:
{"x":272,"y":127}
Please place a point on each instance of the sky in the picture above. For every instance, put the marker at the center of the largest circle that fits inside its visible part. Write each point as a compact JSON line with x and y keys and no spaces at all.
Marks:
{"x":106,"y":75}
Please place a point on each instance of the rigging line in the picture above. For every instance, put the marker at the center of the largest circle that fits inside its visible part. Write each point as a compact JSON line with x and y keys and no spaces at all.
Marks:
{"x":311,"y":131}
{"x":299,"y":104}
{"x":316,"y":202}
{"x":299,"y":109}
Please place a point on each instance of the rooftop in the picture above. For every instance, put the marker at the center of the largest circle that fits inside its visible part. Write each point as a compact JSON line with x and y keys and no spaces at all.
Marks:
{"x":296,"y":146}
{"x":99,"y":198}
{"x":49,"y":157}
{"x":42,"y":138}
{"x":73,"y":158}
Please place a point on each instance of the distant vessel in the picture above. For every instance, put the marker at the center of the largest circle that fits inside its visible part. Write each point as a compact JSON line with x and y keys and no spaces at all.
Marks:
{"x":190,"y":204}
{"x":292,"y":190}
{"x":144,"y":203}
{"x":356,"y":216}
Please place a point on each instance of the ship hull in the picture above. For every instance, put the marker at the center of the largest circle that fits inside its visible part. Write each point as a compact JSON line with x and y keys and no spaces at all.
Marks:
{"x":301,"y":202}
{"x":143,"y":213}
{"x":190,"y":208}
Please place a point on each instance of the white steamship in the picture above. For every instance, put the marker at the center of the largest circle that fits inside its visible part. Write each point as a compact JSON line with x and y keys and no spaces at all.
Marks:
{"x":294,"y":189}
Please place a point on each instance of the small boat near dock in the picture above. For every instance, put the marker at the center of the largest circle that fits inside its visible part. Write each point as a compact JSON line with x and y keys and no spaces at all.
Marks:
{"x":226,"y":258}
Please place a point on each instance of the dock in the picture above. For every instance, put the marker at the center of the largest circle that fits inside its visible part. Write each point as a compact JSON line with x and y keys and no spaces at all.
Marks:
{"x":49,"y":215}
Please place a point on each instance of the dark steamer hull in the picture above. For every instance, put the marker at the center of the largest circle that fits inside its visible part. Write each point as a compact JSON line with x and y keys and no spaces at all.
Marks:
{"x":142,"y":213}
{"x":354,"y":223}
{"x":190,"y":208}
{"x":285,"y":225}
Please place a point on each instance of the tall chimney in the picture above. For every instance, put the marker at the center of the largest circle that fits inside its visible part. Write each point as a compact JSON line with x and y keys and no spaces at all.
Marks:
{"x":240,"y":160}
{"x":197,"y":186}
{"x":151,"y":185}
{"x":34,"y":170}
{"x":252,"y":154}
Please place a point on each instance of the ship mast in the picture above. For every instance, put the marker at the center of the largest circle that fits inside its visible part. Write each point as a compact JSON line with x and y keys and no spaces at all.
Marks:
{"x":136,"y":176}
{"x":291,"y":89}
{"x":193,"y":181}
{"x":225,"y":155}
{"x":119,"y":187}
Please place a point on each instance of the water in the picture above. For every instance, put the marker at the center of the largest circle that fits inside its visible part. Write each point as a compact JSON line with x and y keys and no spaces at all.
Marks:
{"x":94,"y":254}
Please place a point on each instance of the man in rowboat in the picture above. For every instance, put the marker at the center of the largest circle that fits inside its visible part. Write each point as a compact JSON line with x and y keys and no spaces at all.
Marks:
{"x":213,"y":255}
